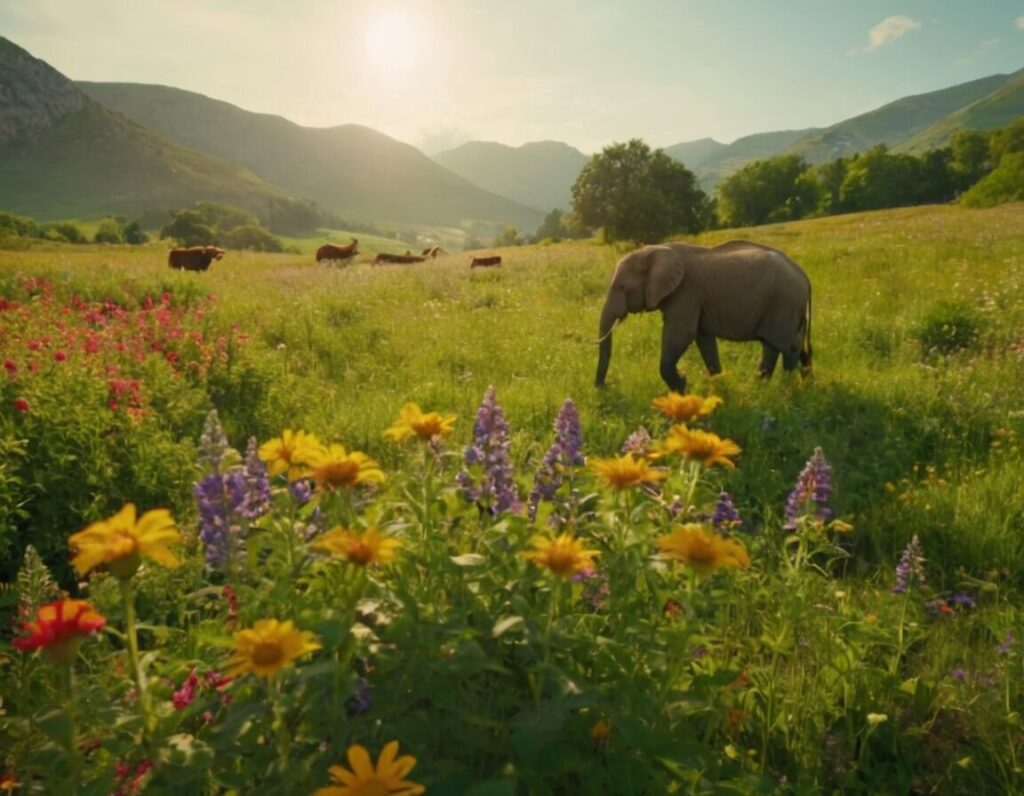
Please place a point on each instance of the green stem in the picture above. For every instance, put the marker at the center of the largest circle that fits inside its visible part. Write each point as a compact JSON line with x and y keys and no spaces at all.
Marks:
{"x":900,"y":634}
{"x":72,"y":703}
{"x":128,"y":600}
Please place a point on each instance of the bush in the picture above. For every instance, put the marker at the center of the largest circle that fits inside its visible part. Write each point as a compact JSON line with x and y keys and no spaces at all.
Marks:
{"x":15,"y":226}
{"x":250,"y":236}
{"x":135,"y":235}
{"x":66,"y":233}
{"x":109,"y":231}
{"x":1005,"y":184}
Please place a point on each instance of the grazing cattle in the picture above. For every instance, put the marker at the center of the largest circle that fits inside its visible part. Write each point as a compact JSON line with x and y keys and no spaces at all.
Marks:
{"x":194,"y":258}
{"x":481,"y":262}
{"x":433,"y":251}
{"x":331,"y":252}
{"x":398,"y":259}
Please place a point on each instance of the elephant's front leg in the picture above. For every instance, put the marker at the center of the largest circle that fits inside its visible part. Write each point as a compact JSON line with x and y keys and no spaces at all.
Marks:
{"x":676,"y":336}
{"x":708,"y":347}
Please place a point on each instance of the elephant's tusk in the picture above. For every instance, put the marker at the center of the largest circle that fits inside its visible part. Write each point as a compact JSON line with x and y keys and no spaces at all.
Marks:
{"x":604,"y":337}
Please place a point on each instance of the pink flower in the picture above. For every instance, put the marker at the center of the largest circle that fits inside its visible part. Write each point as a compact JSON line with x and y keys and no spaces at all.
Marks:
{"x":21,"y":404}
{"x":61,"y":356}
{"x":11,"y":367}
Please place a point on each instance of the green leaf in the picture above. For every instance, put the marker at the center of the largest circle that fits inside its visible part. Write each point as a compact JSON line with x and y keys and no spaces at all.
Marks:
{"x":505,"y":624}
{"x":469,"y":560}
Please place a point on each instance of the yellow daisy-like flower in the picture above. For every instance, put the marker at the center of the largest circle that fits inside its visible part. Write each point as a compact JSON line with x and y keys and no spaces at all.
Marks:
{"x":362,"y":779}
{"x":702,"y":551}
{"x":682,"y":408}
{"x":625,"y":471}
{"x":368,"y":547}
{"x":268,"y":646}
{"x":702,"y":446}
{"x":288,"y":453}
{"x":412,"y":421}
{"x":333,"y":467}
{"x":563,"y":555}
{"x":120,"y":542}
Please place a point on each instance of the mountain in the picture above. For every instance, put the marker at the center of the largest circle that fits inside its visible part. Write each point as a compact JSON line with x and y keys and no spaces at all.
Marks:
{"x":997,"y":109}
{"x":693,"y":154}
{"x":896,"y":121}
{"x":351,"y":170}
{"x":62,"y":155}
{"x":538,"y":174}
{"x":721,"y":160}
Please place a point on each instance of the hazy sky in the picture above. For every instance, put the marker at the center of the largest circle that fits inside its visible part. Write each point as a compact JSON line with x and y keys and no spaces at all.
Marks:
{"x":435,"y":73}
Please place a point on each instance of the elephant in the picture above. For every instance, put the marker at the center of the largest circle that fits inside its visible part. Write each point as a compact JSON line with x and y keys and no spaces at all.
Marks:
{"x":736,"y":291}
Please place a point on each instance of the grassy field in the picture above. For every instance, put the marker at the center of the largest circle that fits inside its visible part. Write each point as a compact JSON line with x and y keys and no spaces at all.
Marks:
{"x":818,"y":678}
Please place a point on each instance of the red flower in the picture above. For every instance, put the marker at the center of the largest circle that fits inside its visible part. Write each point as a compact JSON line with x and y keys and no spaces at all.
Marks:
{"x":59,"y":628}
{"x":21,"y":404}
{"x":11,"y":367}
{"x":60,"y":356}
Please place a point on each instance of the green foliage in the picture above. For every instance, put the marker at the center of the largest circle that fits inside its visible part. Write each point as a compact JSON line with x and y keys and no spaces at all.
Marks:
{"x":67,"y":233}
{"x":253,"y":238}
{"x":971,"y":157}
{"x":766,"y":191}
{"x":224,"y":217}
{"x":639,"y":195}
{"x":134,"y":234}
{"x":947,"y":328}
{"x":190,"y":228}
{"x":214,"y":223}
{"x":880,"y":179}
{"x":15,"y":226}
{"x":1004,"y":184}
{"x":509,"y":236}
{"x":1007,"y":139}
{"x":109,"y":231}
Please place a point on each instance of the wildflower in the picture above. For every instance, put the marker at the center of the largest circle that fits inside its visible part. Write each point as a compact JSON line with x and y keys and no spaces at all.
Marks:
{"x":9,"y":782}
{"x":683,"y":408}
{"x":563,"y":555}
{"x":958,"y":673}
{"x":269,"y":646}
{"x":186,"y":695}
{"x":1006,"y":643}
{"x":288,"y":453}
{"x":496,"y":489}
{"x":725,"y":512}
{"x":333,"y":468}
{"x":701,"y":446}
{"x":362,"y":779}
{"x":565,"y":452}
{"x":626,"y":471}
{"x":369,"y":547}
{"x":11,"y":367}
{"x":963,"y":600}
{"x":638,"y":443}
{"x":702,"y":551}
{"x":215,"y":527}
{"x":60,"y":356}
{"x":600,"y":731}
{"x":21,"y":405}
{"x":911,"y":567}
{"x":59,"y":628}
{"x":256,"y":494}
{"x":412,"y":421}
{"x":813,"y":485}
{"x":121,"y":542}
{"x":874,"y":719}
{"x":213,"y":443}
{"x":361,"y":700}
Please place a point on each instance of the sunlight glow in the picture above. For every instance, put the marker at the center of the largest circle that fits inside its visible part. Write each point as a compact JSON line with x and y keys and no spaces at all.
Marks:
{"x":395,"y":44}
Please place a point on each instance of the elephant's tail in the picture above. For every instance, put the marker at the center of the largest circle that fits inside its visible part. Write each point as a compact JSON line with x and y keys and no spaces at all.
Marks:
{"x":805,"y":352}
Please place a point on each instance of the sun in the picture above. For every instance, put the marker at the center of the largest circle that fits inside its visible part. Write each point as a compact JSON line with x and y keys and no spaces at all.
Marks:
{"x":395,"y":43}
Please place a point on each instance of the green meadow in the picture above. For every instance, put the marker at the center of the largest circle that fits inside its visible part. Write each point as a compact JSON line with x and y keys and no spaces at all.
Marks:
{"x":803,"y":673}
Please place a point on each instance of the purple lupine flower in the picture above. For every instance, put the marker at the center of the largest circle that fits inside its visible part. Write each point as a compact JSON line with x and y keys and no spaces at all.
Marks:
{"x":256,"y":500}
{"x":496,"y":490}
{"x":963,"y":600}
{"x":565,"y":452}
{"x":725,"y":512}
{"x":675,"y":508}
{"x":361,"y":700}
{"x":213,"y":443}
{"x":958,"y":673}
{"x":1007,"y":642}
{"x":639,"y":442}
{"x":213,"y":520}
{"x":911,"y":567}
{"x":812,"y":485}
{"x":301,"y":491}
{"x":595,"y":586}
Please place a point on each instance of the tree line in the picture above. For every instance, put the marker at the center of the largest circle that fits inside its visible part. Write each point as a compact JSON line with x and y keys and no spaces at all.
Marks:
{"x":631,"y":192}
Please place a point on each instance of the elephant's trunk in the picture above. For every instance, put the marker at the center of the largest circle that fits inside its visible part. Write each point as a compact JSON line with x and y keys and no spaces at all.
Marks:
{"x":614,"y":310}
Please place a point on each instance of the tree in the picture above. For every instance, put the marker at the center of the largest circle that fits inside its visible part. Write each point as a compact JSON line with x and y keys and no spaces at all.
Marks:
{"x":879,"y":179}
{"x":971,"y":157}
{"x":765,"y":191}
{"x":638,"y":194}
{"x":250,"y":236}
{"x":134,"y":234}
{"x":224,"y":217}
{"x":189,"y":228}
{"x":109,"y":231}
{"x":67,"y":232}
{"x":1003,"y":184}
{"x":1007,"y":139}
{"x":509,"y":236}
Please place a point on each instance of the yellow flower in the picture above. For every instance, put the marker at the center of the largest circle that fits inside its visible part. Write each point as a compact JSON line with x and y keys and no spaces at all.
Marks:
{"x":369,"y":547}
{"x":268,"y":646}
{"x":840,"y":527}
{"x":624,"y":471}
{"x":563,"y":555}
{"x":600,"y":730}
{"x":333,"y":467}
{"x":121,"y":542}
{"x":288,"y":453}
{"x":702,"y":446}
{"x":363,"y":780}
{"x":412,"y":421}
{"x":702,"y":551}
{"x":685,"y":407}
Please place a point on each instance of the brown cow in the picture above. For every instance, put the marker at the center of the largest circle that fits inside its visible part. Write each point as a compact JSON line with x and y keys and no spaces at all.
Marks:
{"x":480,"y":262}
{"x":433,"y":251}
{"x":331,"y":252}
{"x":398,"y":259}
{"x":194,"y":258}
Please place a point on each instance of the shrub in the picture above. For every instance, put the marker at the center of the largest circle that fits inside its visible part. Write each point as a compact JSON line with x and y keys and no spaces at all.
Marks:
{"x":948,"y":328}
{"x":66,"y":233}
{"x":109,"y":231}
{"x":250,"y":236}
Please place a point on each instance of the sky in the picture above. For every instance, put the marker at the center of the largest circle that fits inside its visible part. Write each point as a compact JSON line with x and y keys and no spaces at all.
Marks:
{"x":436,"y":73}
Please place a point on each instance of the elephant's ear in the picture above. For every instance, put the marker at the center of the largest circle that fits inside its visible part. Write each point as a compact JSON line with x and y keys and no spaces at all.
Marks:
{"x":665,"y":275}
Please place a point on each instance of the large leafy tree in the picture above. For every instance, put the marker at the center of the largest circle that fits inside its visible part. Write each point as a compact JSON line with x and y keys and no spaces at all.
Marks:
{"x":765,"y":191}
{"x":638,"y":194}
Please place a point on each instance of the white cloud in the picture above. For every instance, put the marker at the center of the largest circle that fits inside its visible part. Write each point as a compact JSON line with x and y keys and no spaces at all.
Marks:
{"x":890,"y":29}
{"x":1020,"y":22}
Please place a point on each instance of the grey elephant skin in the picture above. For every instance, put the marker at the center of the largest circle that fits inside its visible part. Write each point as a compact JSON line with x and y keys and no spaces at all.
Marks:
{"x":736,"y":291}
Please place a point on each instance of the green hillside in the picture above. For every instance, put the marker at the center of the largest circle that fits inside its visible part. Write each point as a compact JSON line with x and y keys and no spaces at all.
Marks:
{"x":743,"y":151}
{"x":894,"y":122}
{"x":994,"y":110}
{"x":539,"y":174}
{"x":351,"y":170}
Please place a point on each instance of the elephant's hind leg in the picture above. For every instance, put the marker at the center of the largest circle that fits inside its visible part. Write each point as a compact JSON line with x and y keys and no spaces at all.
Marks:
{"x":769,"y":359}
{"x":676,"y":336}
{"x":708,"y":347}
